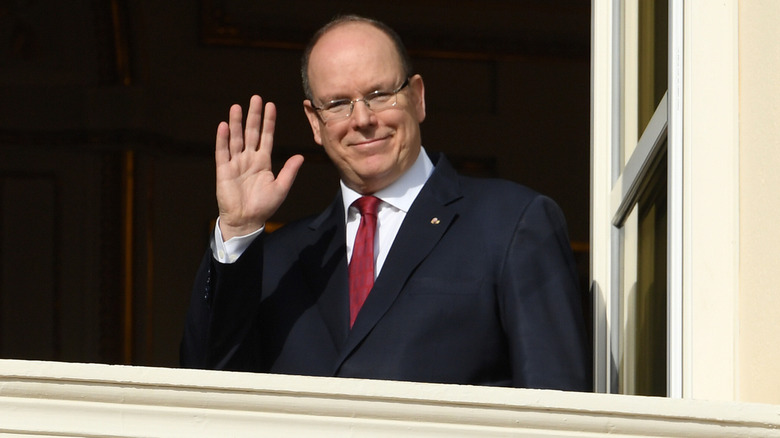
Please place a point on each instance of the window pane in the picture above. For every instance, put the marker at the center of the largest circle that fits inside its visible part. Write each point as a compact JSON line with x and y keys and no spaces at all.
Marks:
{"x":643,"y":307}
{"x":653,"y":31}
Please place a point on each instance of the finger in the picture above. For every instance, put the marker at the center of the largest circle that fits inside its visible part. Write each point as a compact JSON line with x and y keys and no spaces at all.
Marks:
{"x":222,"y":152}
{"x":269,"y":127}
{"x":289,"y":171}
{"x":253,"y":118}
{"x":236,"y":132}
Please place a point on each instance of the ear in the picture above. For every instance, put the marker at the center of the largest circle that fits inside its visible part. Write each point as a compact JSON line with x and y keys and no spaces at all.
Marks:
{"x":417,"y":89}
{"x":314,"y":121}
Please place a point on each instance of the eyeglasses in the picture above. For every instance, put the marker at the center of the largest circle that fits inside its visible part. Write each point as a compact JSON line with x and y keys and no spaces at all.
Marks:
{"x":341,"y":109}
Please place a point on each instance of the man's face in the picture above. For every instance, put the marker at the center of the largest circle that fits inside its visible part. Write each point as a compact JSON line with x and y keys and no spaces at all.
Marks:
{"x":371,"y":150}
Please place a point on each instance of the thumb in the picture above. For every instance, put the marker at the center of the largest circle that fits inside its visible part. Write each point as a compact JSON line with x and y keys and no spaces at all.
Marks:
{"x":288,"y":172}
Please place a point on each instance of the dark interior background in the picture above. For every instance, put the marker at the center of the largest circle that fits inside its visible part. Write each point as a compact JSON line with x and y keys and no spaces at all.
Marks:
{"x":108,"y":111}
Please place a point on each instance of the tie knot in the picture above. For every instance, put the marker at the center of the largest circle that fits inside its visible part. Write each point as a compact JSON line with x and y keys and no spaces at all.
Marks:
{"x":367,"y":205}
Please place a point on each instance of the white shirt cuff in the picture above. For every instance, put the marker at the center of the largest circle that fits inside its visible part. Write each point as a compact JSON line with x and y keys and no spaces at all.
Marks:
{"x":228,"y":252}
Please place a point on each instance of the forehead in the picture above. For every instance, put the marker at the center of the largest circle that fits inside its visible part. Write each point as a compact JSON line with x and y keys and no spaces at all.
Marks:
{"x":353,"y":55}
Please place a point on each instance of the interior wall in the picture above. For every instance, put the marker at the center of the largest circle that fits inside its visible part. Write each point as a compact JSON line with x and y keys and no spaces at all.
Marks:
{"x":84,"y":83}
{"x":759,"y":304}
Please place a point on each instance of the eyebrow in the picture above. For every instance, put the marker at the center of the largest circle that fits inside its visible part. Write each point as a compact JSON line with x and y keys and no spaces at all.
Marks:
{"x":345,"y":97}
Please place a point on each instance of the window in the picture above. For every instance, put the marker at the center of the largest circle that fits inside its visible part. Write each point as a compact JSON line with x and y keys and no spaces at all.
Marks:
{"x":633,"y":169}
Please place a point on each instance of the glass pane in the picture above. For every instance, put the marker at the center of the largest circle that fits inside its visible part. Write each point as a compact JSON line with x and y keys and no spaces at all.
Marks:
{"x":652,"y":50}
{"x":643,"y":291}
{"x":644,"y":67}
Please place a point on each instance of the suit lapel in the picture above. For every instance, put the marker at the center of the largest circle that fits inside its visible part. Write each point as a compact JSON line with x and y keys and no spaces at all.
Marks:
{"x":427,"y":221}
{"x":324,"y":265}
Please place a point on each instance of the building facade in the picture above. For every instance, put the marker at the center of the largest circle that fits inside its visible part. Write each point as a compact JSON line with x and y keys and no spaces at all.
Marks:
{"x":684,"y":265}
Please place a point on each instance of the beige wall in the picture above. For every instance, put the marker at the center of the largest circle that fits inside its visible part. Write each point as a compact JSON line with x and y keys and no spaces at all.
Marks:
{"x":759,"y":303}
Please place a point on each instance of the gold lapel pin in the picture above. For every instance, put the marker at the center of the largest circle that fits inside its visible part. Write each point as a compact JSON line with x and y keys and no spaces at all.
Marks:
{"x":435,"y":221}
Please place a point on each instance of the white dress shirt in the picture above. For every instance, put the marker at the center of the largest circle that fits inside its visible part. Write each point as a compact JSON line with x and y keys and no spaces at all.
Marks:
{"x":396,"y":198}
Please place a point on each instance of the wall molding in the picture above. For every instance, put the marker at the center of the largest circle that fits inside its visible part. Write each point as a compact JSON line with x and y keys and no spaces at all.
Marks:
{"x":513,"y":30}
{"x":66,"y":399}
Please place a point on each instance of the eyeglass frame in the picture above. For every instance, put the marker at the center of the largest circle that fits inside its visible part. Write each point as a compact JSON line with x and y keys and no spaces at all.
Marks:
{"x":365,"y":99}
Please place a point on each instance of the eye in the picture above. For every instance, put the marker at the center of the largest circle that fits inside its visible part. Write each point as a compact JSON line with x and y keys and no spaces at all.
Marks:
{"x":336,"y":106}
{"x":379,"y":97}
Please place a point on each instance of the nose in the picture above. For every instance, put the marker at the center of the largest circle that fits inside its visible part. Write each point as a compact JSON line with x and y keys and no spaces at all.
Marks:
{"x":361,"y":113}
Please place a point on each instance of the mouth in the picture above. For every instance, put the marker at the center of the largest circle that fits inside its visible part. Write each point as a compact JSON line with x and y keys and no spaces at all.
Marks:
{"x":370,"y":141}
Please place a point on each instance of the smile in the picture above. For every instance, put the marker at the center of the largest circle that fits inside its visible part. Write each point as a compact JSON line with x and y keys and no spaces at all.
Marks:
{"x":370,"y":142}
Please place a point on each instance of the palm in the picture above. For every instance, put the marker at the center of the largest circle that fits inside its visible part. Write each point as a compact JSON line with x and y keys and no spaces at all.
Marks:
{"x":248,"y":193}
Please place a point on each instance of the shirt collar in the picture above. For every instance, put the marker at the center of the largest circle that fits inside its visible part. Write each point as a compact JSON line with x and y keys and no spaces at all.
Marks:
{"x":401,"y":193}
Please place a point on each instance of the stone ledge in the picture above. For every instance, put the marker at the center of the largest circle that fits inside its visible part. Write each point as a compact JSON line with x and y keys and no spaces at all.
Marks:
{"x":65,"y":399}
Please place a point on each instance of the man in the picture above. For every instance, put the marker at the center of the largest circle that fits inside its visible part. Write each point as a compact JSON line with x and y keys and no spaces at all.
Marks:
{"x":473,"y":280}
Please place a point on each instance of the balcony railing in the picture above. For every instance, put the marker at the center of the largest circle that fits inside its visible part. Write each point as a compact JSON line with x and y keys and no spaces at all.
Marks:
{"x":91,"y":400}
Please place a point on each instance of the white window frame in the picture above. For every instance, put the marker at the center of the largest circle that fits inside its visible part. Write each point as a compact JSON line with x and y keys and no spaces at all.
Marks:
{"x":701,"y":126}
{"x":616,"y":188}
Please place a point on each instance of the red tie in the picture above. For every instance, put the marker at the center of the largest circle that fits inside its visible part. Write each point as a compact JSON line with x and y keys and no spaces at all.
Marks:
{"x":361,"y":266}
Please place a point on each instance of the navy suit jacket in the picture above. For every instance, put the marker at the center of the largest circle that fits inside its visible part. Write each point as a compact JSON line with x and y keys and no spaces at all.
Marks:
{"x":479,"y":288}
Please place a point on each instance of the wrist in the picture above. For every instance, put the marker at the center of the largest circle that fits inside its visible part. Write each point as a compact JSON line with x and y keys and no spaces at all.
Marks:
{"x":229,"y":231}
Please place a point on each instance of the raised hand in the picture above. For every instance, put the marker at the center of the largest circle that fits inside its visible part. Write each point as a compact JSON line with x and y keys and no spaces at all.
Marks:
{"x":248,"y":193}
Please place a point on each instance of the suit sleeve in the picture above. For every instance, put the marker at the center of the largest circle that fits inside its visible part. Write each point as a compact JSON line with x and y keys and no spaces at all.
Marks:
{"x":542,"y":304}
{"x":220,"y":324}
